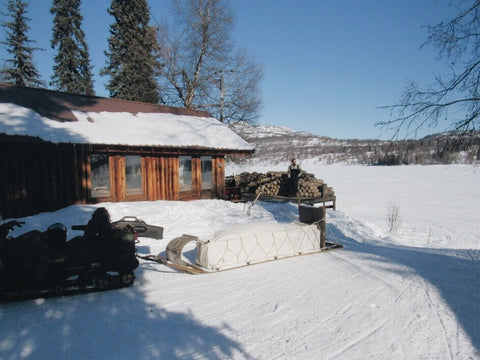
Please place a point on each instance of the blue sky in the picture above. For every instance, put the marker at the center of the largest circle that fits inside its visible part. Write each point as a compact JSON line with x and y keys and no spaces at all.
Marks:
{"x":328,"y":64}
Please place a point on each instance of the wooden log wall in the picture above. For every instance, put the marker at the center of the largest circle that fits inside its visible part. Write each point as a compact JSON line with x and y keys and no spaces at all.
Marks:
{"x":219,"y":176}
{"x":37,"y":177}
{"x":161,"y":175}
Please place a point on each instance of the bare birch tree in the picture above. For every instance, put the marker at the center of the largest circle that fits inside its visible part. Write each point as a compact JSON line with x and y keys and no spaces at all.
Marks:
{"x":201,"y":69}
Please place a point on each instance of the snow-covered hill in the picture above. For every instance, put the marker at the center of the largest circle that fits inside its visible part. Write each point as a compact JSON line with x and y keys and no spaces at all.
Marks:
{"x":277,"y":144}
{"x":260,"y":131}
{"x":408,"y":294}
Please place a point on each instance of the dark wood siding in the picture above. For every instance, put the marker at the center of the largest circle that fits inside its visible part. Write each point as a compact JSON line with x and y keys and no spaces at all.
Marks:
{"x":38,"y":176}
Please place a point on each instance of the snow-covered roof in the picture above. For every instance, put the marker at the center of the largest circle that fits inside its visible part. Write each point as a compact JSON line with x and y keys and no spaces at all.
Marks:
{"x":65,"y":118}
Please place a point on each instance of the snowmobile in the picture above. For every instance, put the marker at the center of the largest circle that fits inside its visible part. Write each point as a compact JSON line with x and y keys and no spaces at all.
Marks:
{"x":44,"y":263}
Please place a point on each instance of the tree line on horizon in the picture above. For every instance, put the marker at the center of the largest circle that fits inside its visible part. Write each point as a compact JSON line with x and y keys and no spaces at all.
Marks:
{"x":441,"y":148}
{"x":195,"y":66}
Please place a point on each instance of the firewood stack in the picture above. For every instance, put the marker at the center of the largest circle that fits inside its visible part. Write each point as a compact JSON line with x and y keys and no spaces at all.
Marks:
{"x":276,"y":183}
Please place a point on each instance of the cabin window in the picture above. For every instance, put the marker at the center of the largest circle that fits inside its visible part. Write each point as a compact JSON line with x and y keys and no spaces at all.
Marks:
{"x":133,"y":175}
{"x":185,"y":173}
{"x":100,"y":170}
{"x":207,"y":174}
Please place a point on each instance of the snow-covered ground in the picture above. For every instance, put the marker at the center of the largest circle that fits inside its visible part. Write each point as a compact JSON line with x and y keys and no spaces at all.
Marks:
{"x":409,"y":294}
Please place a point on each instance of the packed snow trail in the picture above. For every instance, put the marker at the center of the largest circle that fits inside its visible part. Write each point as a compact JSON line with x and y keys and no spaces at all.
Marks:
{"x":441,"y":284}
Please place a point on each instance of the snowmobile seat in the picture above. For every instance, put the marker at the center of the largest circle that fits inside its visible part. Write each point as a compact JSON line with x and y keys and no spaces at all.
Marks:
{"x":57,"y":235}
{"x":99,"y":226}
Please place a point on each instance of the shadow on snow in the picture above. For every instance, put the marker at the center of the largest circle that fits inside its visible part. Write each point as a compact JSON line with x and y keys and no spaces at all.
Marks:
{"x":455,"y":273}
{"x":117,"y":324}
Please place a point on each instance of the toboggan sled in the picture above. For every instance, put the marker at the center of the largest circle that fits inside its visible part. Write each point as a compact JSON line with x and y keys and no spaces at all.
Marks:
{"x":246,"y":244}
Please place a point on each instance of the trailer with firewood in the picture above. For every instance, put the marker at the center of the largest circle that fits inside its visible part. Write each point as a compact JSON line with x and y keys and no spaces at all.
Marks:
{"x":273,"y":186}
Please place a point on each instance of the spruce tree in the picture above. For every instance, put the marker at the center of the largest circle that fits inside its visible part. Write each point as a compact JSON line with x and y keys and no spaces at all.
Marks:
{"x":19,"y":69}
{"x":72,"y":69}
{"x":131,"y":63}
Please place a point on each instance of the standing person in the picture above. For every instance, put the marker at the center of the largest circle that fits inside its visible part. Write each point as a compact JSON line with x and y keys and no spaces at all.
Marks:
{"x":294,"y":171}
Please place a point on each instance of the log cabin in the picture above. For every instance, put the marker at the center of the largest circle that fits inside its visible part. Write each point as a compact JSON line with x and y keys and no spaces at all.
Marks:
{"x":59,"y":149}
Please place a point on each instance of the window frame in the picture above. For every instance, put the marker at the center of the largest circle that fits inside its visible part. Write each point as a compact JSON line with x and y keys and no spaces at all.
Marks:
{"x":135,"y":191}
{"x":110,"y":180}
{"x":205,"y":160}
{"x":185,"y":187}
{"x":118,"y":179}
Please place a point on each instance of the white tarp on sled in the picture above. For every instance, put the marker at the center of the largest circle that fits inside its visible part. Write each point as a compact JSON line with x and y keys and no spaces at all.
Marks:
{"x":257,"y":242}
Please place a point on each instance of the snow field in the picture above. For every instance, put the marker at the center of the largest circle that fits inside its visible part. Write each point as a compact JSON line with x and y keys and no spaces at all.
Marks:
{"x":409,"y":294}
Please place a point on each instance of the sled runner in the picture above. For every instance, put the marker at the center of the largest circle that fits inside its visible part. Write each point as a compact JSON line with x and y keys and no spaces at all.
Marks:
{"x":185,"y":267}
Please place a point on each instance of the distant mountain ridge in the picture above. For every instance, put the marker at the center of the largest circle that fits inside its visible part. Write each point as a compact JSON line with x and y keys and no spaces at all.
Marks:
{"x":277,"y":144}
